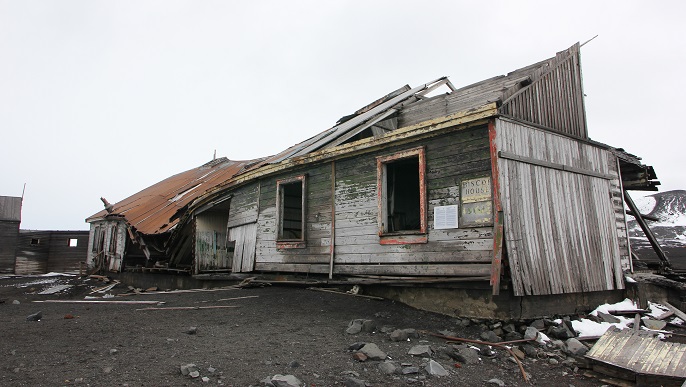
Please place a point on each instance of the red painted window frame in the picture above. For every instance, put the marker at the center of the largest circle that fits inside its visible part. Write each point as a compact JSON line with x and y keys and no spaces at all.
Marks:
{"x":409,"y":236}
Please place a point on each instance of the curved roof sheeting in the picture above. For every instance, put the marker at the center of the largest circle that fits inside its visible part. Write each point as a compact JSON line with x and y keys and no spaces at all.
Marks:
{"x":151,"y":210}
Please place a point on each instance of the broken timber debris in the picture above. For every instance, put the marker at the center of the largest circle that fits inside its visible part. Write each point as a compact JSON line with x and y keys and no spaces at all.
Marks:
{"x":639,"y":357}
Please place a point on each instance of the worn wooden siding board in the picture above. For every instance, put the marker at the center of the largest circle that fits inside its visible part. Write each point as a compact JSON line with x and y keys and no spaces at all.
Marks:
{"x":210,"y":241}
{"x":9,"y":238}
{"x":318,"y":224}
{"x":245,"y":237}
{"x":243,"y":206}
{"x":32,"y":258}
{"x":642,"y":354}
{"x":450,"y":159}
{"x":560,"y":227}
{"x":620,"y":215}
{"x":63,"y":258}
{"x":555,"y":98}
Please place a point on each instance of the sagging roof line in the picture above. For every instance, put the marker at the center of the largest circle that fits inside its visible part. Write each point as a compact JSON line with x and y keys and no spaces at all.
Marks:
{"x":332,"y":134}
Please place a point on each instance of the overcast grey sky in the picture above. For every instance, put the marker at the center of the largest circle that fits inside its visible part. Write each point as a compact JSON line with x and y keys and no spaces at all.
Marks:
{"x":104,"y":98}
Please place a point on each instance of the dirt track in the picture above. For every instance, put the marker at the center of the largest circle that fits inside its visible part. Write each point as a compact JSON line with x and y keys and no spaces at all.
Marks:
{"x":271,"y":330}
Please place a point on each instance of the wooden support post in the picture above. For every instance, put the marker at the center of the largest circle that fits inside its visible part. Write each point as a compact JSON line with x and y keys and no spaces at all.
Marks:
{"x":497,"y":253}
{"x":496,"y":263}
{"x":333,"y":219}
{"x":646,"y":230}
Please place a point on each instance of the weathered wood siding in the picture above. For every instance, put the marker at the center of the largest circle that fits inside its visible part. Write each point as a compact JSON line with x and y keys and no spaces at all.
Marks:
{"x":9,"y":238}
{"x":452,"y":252}
{"x":10,"y":217}
{"x":51,"y":251}
{"x":32,"y":258}
{"x":210,"y":241}
{"x":555,"y":98}
{"x":560,"y":223}
{"x":242,"y":229}
{"x":314,"y":258}
{"x":64,"y":258}
{"x":107,"y":239}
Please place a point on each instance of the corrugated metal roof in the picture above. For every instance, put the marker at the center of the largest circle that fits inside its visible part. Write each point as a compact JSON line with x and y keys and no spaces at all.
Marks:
{"x":10,"y":208}
{"x":640,"y":352}
{"x":151,"y":210}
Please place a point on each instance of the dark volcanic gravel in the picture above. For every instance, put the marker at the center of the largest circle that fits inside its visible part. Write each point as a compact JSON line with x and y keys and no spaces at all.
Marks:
{"x":266,"y":331}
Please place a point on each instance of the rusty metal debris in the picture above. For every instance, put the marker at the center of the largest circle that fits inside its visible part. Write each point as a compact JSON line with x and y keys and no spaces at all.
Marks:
{"x":501,"y":345}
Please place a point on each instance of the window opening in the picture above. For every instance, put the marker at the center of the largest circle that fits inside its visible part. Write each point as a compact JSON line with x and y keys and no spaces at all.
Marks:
{"x":35,"y":241}
{"x":291,"y":206}
{"x":402,"y":208}
{"x":402,"y":195}
{"x":73,"y":242}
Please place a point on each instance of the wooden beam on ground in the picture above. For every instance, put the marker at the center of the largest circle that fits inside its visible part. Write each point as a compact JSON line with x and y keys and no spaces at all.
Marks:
{"x":191,"y":307}
{"x":100,"y":302}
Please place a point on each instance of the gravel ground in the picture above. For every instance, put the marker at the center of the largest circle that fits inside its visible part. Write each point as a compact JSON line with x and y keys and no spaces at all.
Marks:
{"x":258,"y":333}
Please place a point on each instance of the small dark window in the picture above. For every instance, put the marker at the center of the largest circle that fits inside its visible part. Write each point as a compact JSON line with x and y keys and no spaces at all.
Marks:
{"x":290,"y":202}
{"x":73,"y":242}
{"x":35,"y":241}
{"x":402,"y":199}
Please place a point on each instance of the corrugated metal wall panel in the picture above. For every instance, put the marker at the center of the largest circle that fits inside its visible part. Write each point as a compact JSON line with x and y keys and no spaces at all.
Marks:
{"x":560,"y":226}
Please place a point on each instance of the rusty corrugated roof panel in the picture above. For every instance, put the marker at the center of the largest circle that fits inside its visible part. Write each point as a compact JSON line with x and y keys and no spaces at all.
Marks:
{"x":641,"y":353}
{"x":151,"y":210}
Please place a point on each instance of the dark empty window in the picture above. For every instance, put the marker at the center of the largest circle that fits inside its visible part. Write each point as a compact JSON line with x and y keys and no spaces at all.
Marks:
{"x":402,"y":206}
{"x":291,"y":210}
{"x":35,"y":241}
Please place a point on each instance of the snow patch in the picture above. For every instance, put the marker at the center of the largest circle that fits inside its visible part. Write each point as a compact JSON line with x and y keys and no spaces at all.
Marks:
{"x":627,"y":304}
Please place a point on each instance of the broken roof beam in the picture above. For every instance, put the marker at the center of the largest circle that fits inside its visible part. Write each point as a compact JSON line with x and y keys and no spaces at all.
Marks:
{"x":361,"y":128}
{"x":337,"y":131}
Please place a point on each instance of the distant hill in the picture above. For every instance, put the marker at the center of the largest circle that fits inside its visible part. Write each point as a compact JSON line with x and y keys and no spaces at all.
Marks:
{"x":670,"y":230}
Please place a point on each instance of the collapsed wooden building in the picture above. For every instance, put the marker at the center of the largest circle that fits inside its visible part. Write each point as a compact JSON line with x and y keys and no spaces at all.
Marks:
{"x":478,"y":196}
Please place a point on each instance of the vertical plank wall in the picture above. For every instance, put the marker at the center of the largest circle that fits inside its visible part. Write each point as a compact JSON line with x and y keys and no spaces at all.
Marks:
{"x":241,"y":227}
{"x":210,"y":241}
{"x":560,"y":226}
{"x":314,"y":258}
{"x":454,"y":252}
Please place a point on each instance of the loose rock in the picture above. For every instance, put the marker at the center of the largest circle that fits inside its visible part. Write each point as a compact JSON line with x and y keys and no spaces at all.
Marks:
{"x":531,"y":333}
{"x":285,"y":381}
{"x":490,"y":337}
{"x":410,"y":370}
{"x":388,"y":367}
{"x":575,"y":347}
{"x":435,"y":369}
{"x":466,"y":355}
{"x":403,"y":334}
{"x":192,"y":330}
{"x":496,"y":382}
{"x":354,"y":382}
{"x":420,"y":350}
{"x":35,"y":317}
{"x":373,"y":352}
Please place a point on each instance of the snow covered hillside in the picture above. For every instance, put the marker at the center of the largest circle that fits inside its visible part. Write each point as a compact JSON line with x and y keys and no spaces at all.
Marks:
{"x":670,"y":208}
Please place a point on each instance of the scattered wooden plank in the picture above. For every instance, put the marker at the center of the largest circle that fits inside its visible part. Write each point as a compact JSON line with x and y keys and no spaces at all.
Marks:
{"x":229,"y":299}
{"x":179,"y":291}
{"x":676,"y":311}
{"x":191,"y":307}
{"x":346,"y":294}
{"x":125,"y":302}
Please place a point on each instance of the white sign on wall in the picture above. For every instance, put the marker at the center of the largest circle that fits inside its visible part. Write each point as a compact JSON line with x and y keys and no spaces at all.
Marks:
{"x":445,"y":217}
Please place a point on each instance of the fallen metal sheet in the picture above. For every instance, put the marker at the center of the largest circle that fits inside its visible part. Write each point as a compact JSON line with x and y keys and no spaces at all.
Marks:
{"x":639,"y":356}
